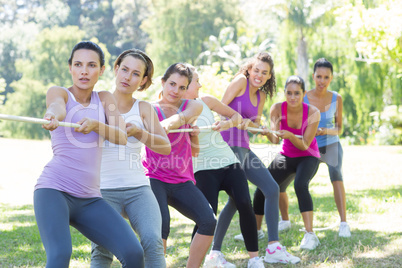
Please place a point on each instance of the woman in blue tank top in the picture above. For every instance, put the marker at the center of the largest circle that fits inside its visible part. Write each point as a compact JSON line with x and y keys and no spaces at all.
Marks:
{"x":330,"y":127}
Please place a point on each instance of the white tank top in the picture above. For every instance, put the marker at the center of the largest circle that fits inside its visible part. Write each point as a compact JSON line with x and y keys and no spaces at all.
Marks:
{"x":121,"y":164}
{"x":214,"y":153}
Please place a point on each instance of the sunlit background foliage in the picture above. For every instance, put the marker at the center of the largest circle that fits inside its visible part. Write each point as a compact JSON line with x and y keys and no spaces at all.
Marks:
{"x":362,"y":38}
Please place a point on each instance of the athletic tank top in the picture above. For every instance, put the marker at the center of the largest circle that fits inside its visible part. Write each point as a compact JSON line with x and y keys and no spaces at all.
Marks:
{"x":121,"y":164}
{"x":214,"y":151}
{"x":327,"y":121}
{"x":288,"y":149}
{"x":75,"y":165}
{"x":177,"y":167}
{"x":241,"y":104}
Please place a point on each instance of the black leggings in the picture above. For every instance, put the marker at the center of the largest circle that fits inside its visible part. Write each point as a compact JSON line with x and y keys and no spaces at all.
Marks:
{"x":188,"y":200}
{"x":284,"y":169}
{"x":233,"y":181}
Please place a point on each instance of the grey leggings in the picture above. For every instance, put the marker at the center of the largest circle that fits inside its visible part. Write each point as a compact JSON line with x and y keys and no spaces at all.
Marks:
{"x":93,"y":217}
{"x":258,"y":174}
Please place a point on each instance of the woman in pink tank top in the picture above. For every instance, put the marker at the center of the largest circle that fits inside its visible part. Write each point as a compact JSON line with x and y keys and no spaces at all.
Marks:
{"x":299,"y":157}
{"x":171,"y":176}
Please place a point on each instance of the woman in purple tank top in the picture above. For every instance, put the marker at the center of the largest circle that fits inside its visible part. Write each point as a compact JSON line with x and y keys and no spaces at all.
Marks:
{"x":299,"y":157}
{"x":246,"y":94}
{"x":67,"y":192}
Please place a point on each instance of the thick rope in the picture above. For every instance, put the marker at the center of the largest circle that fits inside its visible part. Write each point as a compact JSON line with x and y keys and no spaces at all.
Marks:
{"x":35,"y":120}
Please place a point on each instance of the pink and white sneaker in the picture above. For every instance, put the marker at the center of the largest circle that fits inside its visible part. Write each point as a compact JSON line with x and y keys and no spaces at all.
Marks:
{"x":280,"y":255}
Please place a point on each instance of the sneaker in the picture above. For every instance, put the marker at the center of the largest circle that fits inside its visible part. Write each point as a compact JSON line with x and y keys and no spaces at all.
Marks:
{"x":310,"y":241}
{"x":260,"y":233}
{"x":283,"y":225}
{"x":255,"y":262}
{"x":280,"y":255}
{"x":215,"y":259}
{"x":344,"y":230}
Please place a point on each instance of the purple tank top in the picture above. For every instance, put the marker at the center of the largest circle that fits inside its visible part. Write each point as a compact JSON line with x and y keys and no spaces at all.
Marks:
{"x":177,"y":167}
{"x":241,"y":104}
{"x":75,"y":166}
{"x":288,"y":149}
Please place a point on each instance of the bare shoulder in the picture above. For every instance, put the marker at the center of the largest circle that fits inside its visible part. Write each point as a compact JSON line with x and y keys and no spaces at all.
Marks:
{"x":263,"y":94}
{"x":145,"y":107}
{"x":238,"y":83}
{"x":57,"y":89}
{"x":339,"y":97}
{"x":57,"y":92}
{"x":313,"y":112}
{"x":105,"y":95}
{"x":276,"y":106}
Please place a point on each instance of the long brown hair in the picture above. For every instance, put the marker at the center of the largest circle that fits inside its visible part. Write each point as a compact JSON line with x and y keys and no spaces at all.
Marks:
{"x":270,"y":86}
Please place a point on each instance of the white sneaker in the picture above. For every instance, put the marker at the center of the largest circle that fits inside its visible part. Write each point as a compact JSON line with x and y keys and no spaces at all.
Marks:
{"x":280,"y":255}
{"x":215,"y":259}
{"x":344,"y":230}
{"x":310,"y":241}
{"x":255,"y":262}
{"x":260,"y":233}
{"x":284,"y":225}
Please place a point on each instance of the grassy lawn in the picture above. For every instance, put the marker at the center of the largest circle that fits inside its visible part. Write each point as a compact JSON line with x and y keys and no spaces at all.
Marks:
{"x":373,"y":181}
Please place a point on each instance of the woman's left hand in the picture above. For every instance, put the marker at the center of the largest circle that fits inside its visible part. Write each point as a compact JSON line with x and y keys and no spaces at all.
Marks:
{"x":87,"y":125}
{"x":196,"y":131}
{"x":284,"y":134}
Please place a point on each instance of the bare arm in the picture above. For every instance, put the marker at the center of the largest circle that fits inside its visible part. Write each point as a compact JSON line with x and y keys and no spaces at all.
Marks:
{"x":222,"y":109}
{"x":195,"y":145}
{"x":153,"y":136}
{"x":337,"y":129}
{"x":275,"y":119}
{"x":188,"y":116}
{"x":114,"y":130}
{"x":234,"y":89}
{"x":56,"y":99}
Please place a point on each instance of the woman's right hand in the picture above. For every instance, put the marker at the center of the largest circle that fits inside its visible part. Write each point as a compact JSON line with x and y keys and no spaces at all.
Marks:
{"x":245,"y":122}
{"x":54,"y":123}
{"x":132,"y":129}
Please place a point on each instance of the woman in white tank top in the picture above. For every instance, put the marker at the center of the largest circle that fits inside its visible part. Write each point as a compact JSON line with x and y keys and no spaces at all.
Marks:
{"x":123,"y":183}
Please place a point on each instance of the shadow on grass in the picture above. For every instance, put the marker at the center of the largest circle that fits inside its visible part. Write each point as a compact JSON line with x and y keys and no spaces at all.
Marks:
{"x":20,"y":243}
{"x":354,"y":204}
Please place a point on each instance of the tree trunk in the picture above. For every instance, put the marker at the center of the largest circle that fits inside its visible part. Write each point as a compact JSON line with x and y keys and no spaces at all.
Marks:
{"x":302,"y":61}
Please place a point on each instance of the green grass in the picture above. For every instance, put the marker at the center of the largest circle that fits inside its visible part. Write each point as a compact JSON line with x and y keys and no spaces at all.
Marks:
{"x":373,"y":185}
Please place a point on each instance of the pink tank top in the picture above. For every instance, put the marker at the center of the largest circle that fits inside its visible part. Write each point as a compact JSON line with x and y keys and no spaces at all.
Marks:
{"x":75,"y":166}
{"x":177,"y":167}
{"x":288,"y":149}
{"x":241,"y":104}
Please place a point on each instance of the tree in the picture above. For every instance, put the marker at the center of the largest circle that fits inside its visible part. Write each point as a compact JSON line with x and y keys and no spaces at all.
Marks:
{"x":178,"y":28}
{"x":230,"y":52}
{"x":29,"y":99}
{"x":302,"y":17}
